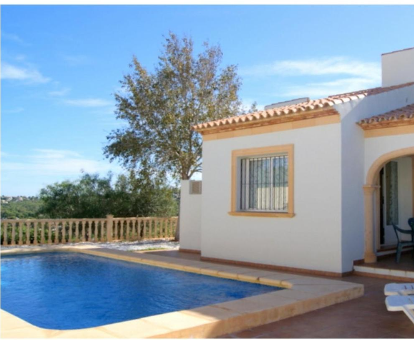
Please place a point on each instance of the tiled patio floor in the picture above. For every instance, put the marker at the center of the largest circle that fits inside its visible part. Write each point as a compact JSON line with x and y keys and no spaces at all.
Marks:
{"x":365,"y":317}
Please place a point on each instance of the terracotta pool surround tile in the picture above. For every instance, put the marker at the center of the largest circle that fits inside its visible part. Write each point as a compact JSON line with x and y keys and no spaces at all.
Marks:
{"x":303,"y":294}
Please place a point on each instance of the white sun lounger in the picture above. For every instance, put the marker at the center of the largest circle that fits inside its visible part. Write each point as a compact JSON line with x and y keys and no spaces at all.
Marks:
{"x":398,"y":303}
{"x":399,"y":289}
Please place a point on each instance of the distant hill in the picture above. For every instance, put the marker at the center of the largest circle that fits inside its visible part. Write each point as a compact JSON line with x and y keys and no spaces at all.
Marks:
{"x":20,"y":207}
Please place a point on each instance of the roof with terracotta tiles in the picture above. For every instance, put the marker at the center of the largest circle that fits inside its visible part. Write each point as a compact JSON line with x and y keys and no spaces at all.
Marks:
{"x":297,"y":110}
{"x":402,"y":116}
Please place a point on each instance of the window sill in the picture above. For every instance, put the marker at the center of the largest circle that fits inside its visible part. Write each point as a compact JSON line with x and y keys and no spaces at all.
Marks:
{"x":261,"y":214}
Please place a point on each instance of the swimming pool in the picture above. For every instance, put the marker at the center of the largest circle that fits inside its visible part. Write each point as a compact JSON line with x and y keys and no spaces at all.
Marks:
{"x":74,"y":290}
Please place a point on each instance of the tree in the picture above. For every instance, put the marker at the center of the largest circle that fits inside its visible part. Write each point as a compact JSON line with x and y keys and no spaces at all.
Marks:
{"x":92,"y":196}
{"x":160,"y":108}
{"x":85,"y":198}
{"x":144,"y":196}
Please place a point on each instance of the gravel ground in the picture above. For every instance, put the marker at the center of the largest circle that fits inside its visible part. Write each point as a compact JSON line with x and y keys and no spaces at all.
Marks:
{"x":125,"y":246}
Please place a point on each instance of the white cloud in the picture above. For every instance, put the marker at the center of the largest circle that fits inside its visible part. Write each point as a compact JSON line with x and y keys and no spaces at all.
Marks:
{"x":317,"y":77}
{"x":59,"y":93}
{"x":28,"y":74}
{"x":317,"y":67}
{"x":12,"y":37}
{"x":55,"y":154}
{"x":52,"y":162}
{"x":15,"y":110}
{"x":26,"y":175}
{"x":89,"y":102}
{"x":324,"y":89}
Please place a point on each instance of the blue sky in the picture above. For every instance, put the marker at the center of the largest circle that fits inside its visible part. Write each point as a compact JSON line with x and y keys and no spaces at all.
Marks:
{"x":62,"y":64}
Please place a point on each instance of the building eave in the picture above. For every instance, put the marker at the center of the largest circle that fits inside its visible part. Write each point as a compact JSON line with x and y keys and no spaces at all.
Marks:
{"x":254,"y":123}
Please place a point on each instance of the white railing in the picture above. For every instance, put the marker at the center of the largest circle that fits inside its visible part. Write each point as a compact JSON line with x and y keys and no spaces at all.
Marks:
{"x":61,"y":231}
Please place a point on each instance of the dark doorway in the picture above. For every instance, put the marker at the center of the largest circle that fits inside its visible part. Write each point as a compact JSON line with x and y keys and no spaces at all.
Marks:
{"x":381,"y":193}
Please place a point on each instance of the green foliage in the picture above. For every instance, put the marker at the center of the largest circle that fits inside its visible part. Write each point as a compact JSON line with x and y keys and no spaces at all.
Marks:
{"x":160,"y":108}
{"x":21,"y":209}
{"x":83,"y":198}
{"x":92,"y":196}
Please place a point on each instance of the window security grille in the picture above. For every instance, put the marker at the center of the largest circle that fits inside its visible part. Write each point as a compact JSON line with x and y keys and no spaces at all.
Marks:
{"x":264,"y":184}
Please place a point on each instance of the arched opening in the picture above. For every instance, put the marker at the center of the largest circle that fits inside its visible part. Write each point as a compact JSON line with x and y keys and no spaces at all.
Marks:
{"x":388,"y":198}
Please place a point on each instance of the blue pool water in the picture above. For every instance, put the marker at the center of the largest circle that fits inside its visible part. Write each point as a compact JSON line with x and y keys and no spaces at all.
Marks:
{"x":72,"y":290}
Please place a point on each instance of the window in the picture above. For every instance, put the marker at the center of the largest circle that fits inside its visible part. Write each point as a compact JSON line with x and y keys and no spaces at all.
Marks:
{"x":262,"y":182}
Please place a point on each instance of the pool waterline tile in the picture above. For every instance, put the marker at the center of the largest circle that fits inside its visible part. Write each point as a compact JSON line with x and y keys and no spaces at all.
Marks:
{"x":208,"y":321}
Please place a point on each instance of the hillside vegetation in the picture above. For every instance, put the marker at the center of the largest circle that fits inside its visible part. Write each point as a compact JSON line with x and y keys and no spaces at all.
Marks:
{"x":21,"y":209}
{"x":92,"y":196}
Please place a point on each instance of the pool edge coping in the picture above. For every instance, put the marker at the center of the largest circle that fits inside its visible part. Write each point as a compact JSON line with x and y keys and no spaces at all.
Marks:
{"x":302,"y":294}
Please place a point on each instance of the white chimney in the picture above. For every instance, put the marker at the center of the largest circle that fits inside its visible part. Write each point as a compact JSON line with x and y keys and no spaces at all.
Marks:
{"x":398,"y":67}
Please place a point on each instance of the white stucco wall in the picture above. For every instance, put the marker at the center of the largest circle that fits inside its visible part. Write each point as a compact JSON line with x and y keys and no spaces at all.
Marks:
{"x":311,"y":239}
{"x":356,"y":152}
{"x":398,"y":67}
{"x":378,"y":146}
{"x":330,"y":167}
{"x":190,"y":218}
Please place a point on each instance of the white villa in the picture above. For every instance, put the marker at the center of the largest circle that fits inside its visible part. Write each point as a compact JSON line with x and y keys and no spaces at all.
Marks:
{"x":309,"y":185}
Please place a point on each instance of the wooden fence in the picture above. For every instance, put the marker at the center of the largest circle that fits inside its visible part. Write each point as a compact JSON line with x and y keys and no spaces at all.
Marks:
{"x":61,"y":231}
